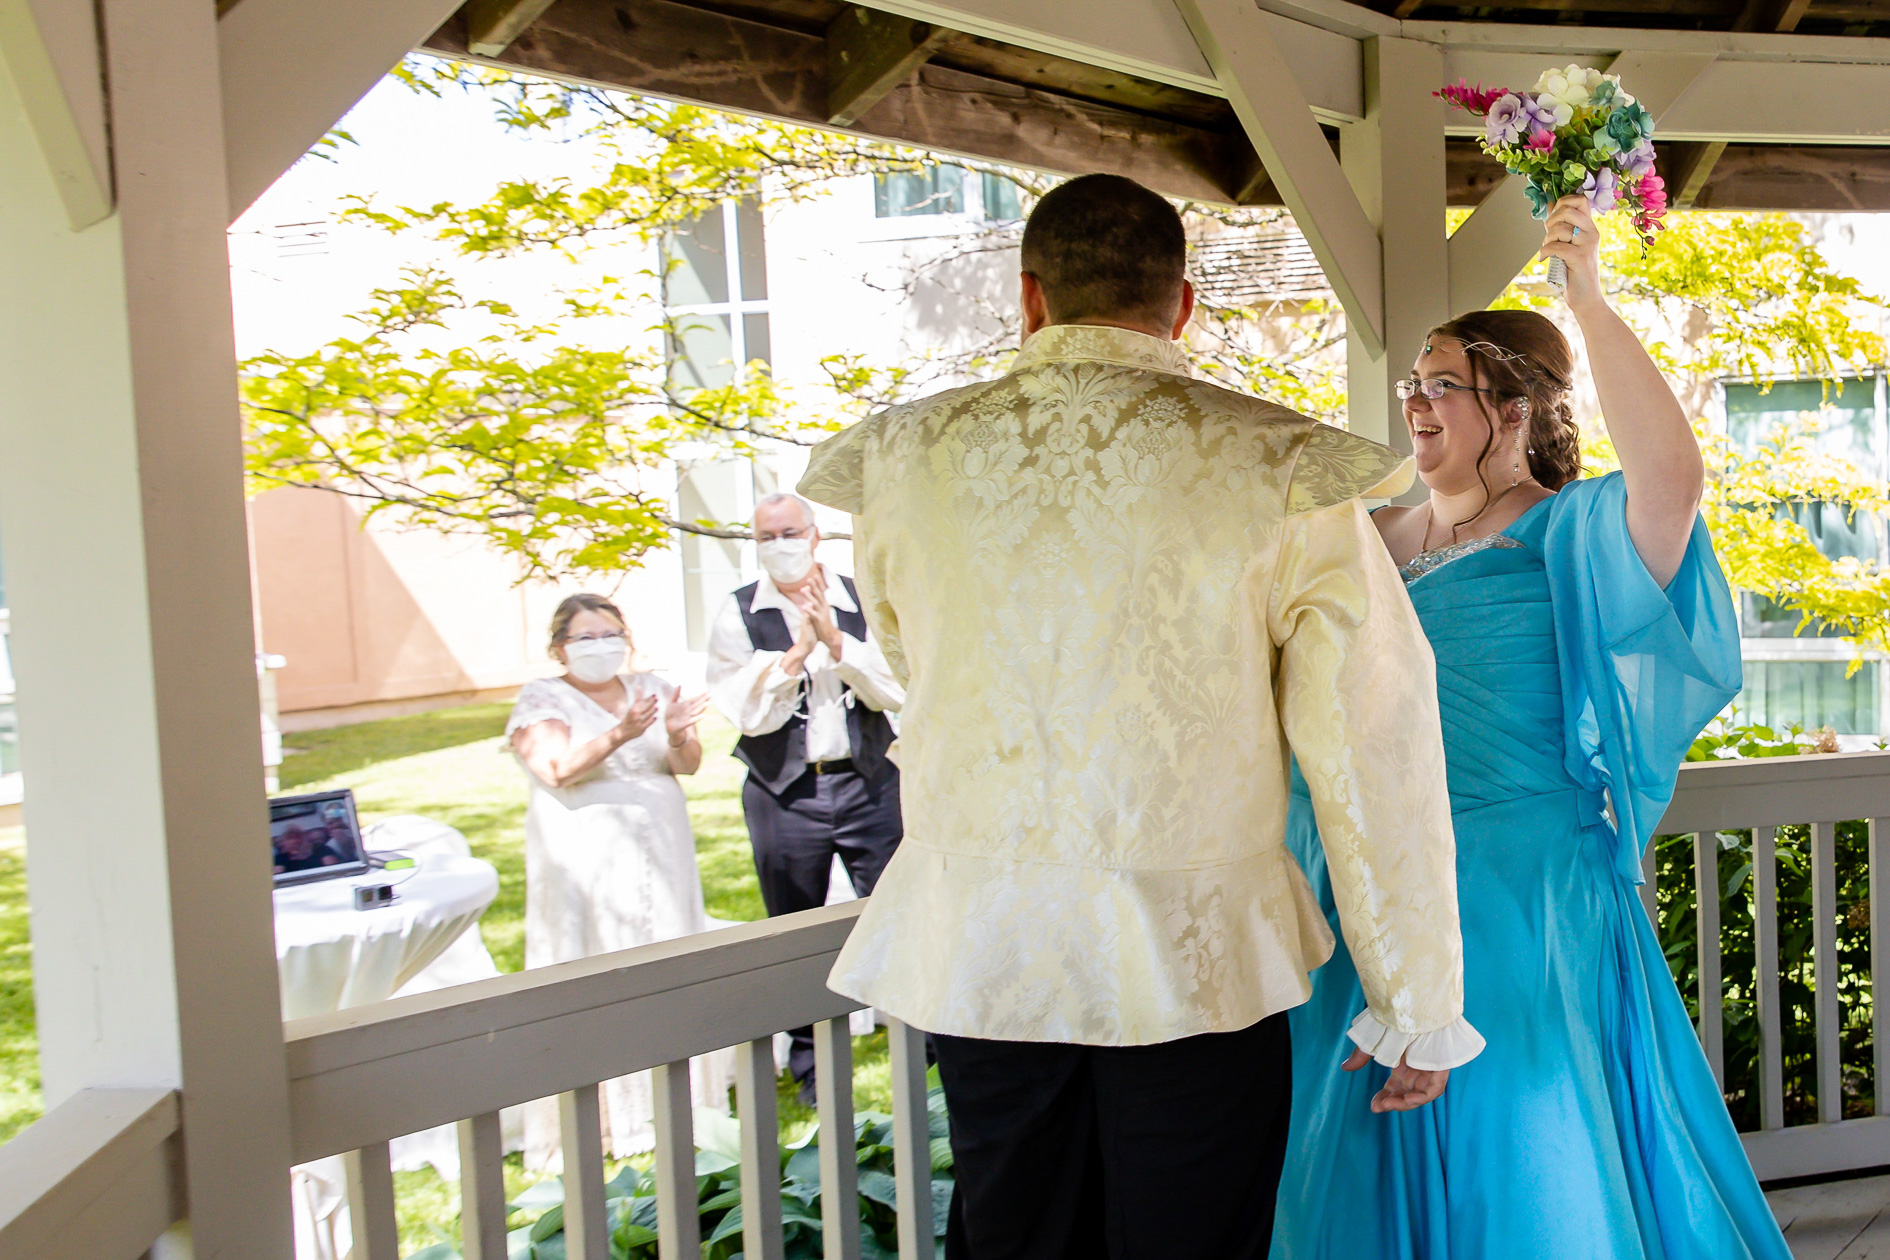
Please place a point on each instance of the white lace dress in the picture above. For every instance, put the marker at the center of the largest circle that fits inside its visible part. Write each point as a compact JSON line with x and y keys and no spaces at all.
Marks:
{"x":610,"y":863}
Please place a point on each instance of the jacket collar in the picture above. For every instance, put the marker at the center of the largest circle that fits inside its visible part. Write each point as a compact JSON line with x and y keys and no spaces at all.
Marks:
{"x":1096,"y":343}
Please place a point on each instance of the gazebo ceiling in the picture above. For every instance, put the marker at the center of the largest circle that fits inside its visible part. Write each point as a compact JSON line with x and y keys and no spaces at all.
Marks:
{"x":827,"y":63}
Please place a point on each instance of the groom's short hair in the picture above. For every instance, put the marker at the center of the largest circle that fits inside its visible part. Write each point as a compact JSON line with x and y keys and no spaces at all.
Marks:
{"x":1103,"y":246}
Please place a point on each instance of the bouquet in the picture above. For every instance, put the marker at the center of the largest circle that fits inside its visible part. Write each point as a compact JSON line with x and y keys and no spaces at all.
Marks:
{"x":1574,"y":132}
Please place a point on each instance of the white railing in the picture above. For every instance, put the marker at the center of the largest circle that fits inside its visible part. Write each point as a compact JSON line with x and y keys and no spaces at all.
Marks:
{"x":97,"y":1178}
{"x":361,"y":1077}
{"x":1762,"y":795}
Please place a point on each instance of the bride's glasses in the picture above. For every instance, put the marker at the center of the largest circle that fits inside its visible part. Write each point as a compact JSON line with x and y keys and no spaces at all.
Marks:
{"x":1434,"y":388}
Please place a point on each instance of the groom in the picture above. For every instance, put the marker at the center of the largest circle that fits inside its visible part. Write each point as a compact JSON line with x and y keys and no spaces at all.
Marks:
{"x":1120,"y":598}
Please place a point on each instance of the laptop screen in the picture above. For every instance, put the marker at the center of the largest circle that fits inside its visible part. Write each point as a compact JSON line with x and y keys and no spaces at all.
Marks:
{"x":315,"y":836}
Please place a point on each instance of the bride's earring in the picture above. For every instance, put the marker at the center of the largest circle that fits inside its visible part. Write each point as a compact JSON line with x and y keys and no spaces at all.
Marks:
{"x":1522,"y":411}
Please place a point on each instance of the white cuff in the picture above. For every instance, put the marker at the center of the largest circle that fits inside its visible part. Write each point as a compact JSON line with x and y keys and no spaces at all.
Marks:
{"x":1453,"y":1045}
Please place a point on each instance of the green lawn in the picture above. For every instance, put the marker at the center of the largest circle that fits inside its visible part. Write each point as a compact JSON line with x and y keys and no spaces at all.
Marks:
{"x":450,"y":765}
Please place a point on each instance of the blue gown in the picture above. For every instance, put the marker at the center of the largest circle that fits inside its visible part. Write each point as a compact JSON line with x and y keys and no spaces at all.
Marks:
{"x":1590,"y":1126}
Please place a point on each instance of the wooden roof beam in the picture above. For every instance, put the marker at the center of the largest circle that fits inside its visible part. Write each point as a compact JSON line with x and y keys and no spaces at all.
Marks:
{"x":492,"y":25}
{"x":676,"y":50}
{"x":1771,"y":15}
{"x":869,"y":53}
{"x":1237,"y":40}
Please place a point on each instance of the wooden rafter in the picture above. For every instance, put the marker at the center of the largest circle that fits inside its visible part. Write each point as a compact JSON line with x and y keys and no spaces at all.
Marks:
{"x":869,"y":53}
{"x":1240,"y":48}
{"x":1692,"y":167}
{"x":493,"y":24}
{"x":732,"y":62}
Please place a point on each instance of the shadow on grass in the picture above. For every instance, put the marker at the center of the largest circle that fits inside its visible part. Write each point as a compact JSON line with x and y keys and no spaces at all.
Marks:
{"x":339,"y":749}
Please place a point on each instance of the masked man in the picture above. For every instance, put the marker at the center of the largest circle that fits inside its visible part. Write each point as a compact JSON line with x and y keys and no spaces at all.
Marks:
{"x":792,"y":665}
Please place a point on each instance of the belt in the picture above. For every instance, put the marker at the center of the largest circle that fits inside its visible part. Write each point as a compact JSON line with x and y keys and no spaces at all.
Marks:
{"x":842,"y":766}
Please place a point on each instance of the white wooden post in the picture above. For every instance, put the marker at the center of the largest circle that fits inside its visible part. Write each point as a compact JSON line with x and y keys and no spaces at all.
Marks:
{"x":1394,"y":160}
{"x":121,"y":511}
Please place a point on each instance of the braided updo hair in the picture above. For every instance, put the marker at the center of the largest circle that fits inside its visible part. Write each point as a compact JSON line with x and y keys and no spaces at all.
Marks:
{"x":1523,"y":355}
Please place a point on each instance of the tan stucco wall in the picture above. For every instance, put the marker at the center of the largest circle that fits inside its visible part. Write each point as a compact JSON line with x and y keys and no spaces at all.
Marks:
{"x":384,"y":613}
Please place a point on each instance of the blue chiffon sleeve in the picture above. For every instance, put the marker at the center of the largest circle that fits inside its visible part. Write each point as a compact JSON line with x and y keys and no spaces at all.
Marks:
{"x":1643,"y":669}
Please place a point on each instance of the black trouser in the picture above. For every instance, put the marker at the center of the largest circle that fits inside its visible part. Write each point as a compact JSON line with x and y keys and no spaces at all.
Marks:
{"x":795,"y":836}
{"x":1163,"y":1152}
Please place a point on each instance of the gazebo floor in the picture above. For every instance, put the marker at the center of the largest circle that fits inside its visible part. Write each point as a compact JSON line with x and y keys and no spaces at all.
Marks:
{"x":1838,"y":1219}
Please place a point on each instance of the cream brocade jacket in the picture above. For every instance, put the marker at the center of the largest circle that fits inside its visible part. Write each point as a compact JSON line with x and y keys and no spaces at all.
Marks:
{"x":1118,"y":597}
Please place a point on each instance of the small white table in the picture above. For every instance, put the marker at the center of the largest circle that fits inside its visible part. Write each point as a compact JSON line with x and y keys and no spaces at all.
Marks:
{"x":332,"y":956}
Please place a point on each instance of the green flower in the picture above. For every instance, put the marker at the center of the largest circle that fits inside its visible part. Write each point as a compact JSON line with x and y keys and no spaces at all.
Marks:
{"x":1539,"y":199}
{"x":1629,"y":124}
{"x":1603,"y":96}
{"x":1574,"y":173}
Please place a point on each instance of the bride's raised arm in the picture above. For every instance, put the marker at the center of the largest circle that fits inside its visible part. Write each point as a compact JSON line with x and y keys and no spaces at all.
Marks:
{"x":1660,"y":458}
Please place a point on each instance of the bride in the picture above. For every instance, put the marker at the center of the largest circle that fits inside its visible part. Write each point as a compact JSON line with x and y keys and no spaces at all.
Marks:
{"x":1583,"y":634}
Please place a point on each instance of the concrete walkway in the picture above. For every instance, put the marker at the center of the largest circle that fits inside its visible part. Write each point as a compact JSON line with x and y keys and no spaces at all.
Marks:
{"x":1848,"y":1219}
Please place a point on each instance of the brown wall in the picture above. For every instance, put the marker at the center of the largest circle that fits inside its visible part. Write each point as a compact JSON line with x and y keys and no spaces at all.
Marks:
{"x":383,"y":613}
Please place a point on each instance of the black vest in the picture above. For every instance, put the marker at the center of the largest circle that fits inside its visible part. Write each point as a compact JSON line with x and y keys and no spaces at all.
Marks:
{"x":778,"y":758}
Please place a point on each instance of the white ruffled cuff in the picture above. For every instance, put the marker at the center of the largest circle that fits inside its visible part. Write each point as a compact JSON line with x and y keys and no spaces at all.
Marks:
{"x":1453,"y":1045}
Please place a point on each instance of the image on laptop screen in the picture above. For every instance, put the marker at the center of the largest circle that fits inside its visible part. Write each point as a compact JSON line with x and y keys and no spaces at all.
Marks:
{"x":315,"y":837}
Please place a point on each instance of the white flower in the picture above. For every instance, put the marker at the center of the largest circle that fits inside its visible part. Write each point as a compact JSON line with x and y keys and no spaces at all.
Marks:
{"x":1560,"y":109}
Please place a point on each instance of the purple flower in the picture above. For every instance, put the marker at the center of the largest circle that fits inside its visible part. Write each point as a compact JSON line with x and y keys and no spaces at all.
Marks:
{"x":1540,"y":117}
{"x":1638,"y":160}
{"x":1505,"y":123}
{"x":1602,"y":190}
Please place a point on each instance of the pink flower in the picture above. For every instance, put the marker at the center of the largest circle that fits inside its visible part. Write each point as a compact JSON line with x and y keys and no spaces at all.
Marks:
{"x":1541,"y":140}
{"x":1653,"y":194}
{"x":1476,"y":100}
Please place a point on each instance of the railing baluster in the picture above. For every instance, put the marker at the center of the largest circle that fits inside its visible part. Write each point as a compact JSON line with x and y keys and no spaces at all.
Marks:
{"x":1879,"y":965}
{"x":839,"y":1171}
{"x":482,"y":1187}
{"x":1650,"y":868}
{"x":586,"y":1232}
{"x":1824,"y":918}
{"x":678,"y":1224}
{"x":1706,"y":916}
{"x":912,"y":1141}
{"x":1765,"y":958}
{"x":371,"y":1203}
{"x":761,"y":1150}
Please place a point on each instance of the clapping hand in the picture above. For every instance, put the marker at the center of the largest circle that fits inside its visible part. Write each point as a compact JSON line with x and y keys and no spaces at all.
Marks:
{"x":805,"y":641}
{"x":637,"y":718}
{"x":681,"y":717}
{"x":1408,"y":1089}
{"x":819,"y":613}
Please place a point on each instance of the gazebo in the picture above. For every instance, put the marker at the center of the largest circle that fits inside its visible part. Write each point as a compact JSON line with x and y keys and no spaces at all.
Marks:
{"x":131,"y":134}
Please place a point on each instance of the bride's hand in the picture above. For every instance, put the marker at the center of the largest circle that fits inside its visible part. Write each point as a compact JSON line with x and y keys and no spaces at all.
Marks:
{"x":1408,"y":1088}
{"x":1571,"y":235}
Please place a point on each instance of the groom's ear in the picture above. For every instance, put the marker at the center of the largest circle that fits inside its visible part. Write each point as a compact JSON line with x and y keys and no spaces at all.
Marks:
{"x":1187,"y":311}
{"x":1036,"y":308}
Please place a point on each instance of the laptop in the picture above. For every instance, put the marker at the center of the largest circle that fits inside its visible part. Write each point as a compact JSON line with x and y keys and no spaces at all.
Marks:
{"x":315,"y":836}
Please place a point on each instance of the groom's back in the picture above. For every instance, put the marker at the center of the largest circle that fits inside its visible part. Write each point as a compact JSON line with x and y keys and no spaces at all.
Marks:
{"x":1072,"y":564}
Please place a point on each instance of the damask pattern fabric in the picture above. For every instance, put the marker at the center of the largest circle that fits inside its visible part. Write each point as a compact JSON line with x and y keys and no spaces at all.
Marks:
{"x":1119,"y":598}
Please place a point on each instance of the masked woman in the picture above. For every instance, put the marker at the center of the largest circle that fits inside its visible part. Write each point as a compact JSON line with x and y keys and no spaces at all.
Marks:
{"x":610,"y":860}
{"x":1582,"y":635}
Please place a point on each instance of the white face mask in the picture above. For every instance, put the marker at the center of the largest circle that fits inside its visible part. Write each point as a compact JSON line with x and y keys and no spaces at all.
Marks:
{"x":787,"y":560}
{"x":595,"y":660}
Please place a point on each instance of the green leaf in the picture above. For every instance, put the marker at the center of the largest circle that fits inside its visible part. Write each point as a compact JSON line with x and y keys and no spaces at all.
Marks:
{"x":879,"y":1187}
{"x":550,"y":1223}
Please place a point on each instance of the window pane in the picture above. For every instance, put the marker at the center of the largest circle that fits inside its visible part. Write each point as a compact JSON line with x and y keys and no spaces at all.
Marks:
{"x":1812,"y":694}
{"x":934,"y":190}
{"x":712,"y":567}
{"x":1003,"y":200}
{"x":696,"y":263}
{"x":754,"y":256}
{"x":1845,"y":421}
{"x":701,"y":352}
{"x":755,"y":333}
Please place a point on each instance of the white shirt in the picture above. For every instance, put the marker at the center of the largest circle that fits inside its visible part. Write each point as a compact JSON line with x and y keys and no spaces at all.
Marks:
{"x":754,"y":693}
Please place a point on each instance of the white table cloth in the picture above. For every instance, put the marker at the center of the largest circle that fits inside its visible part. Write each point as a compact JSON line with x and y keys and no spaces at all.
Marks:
{"x":332,"y":956}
